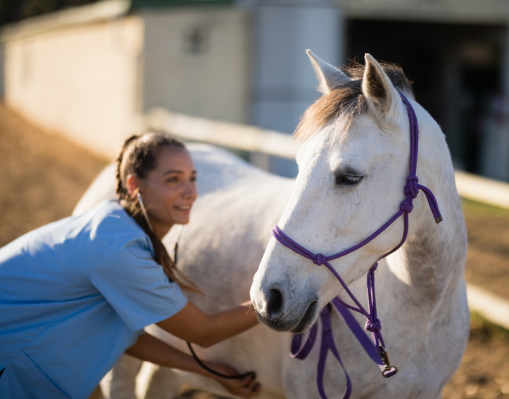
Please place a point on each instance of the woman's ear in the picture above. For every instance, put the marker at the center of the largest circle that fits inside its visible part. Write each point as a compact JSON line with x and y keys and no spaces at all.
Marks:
{"x":132,"y":183}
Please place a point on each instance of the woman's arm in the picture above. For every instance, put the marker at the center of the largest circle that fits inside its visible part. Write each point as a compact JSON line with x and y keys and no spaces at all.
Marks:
{"x":193,"y":325}
{"x":151,"y":349}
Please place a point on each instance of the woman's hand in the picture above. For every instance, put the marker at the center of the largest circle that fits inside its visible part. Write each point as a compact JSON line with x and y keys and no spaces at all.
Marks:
{"x":246,"y":387}
{"x":151,"y":349}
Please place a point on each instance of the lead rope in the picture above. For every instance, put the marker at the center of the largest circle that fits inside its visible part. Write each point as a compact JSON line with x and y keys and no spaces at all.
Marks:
{"x":198,"y":360}
{"x":376,"y":349}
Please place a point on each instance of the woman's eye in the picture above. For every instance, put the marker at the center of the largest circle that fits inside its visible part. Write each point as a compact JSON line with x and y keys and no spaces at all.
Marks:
{"x":193,"y":179}
{"x":173,"y":180}
{"x":347,"y":180}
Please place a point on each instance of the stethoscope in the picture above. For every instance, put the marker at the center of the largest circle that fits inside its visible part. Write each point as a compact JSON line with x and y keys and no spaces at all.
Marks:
{"x":175,"y":259}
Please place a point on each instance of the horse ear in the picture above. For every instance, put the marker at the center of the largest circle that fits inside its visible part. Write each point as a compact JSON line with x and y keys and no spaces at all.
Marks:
{"x":328,"y":76}
{"x":381,"y":95}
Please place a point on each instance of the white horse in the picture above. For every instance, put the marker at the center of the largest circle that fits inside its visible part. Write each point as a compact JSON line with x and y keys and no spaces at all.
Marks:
{"x":352,"y":169}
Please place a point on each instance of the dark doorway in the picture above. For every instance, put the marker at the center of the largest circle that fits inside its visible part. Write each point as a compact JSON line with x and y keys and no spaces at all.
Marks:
{"x":456,"y":70}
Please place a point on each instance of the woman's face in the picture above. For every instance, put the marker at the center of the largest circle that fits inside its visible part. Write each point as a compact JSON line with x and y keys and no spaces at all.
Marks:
{"x":169,"y":191}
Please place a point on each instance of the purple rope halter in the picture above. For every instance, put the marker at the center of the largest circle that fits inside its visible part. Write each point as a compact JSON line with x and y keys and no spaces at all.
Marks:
{"x":376,"y":351}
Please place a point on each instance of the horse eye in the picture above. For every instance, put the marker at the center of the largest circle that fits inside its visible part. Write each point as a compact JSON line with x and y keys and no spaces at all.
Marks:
{"x":347,"y":180}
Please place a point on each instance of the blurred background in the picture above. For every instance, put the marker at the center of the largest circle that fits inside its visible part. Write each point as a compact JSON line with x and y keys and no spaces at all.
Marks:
{"x":78,"y":76}
{"x":244,"y":61}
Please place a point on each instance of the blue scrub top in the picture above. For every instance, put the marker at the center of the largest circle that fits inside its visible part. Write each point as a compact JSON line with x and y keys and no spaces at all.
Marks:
{"x":74,"y":295}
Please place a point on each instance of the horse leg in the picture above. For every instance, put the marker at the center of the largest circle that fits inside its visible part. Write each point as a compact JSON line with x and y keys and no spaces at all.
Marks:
{"x":120,"y":382}
{"x":156,"y":382}
{"x":297,"y":377}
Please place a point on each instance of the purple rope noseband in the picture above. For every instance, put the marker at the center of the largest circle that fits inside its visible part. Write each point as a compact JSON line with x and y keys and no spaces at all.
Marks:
{"x":376,"y":351}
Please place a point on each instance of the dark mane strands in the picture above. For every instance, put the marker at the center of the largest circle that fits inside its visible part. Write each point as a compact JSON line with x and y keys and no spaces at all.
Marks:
{"x":346,"y":99}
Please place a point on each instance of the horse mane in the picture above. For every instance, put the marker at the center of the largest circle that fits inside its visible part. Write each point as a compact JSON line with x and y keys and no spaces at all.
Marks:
{"x":346,"y":99}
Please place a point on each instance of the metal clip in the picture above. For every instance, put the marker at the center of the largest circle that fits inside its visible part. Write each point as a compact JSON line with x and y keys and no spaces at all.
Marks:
{"x":390,"y":369}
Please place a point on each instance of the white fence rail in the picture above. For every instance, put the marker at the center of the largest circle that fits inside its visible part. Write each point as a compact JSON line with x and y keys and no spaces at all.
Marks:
{"x":490,"y":306}
{"x":481,"y":189}
{"x":232,"y":135}
{"x":250,"y":138}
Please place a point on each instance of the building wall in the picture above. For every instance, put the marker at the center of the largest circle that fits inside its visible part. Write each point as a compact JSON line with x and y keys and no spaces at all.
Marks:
{"x":284,"y":80}
{"x":197,"y":61}
{"x":82,"y":82}
{"x":241,"y":63}
{"x":284,"y":83}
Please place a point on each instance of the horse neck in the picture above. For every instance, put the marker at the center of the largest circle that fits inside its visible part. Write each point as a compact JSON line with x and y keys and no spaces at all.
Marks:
{"x":432,"y":260}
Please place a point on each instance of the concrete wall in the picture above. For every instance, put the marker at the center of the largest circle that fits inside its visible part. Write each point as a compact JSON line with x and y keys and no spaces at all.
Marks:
{"x":82,"y":82}
{"x":197,"y":61}
{"x":284,"y":83}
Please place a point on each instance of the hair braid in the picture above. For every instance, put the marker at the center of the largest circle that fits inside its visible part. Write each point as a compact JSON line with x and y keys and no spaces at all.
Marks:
{"x":121,"y":190}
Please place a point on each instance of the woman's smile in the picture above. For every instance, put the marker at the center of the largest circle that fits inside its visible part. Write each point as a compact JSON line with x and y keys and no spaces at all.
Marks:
{"x":186,"y":208}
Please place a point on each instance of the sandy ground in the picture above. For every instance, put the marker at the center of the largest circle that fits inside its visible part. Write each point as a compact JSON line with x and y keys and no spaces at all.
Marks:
{"x":43,"y":176}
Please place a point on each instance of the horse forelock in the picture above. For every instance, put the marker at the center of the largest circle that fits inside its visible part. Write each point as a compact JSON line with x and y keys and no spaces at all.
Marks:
{"x":346,"y":100}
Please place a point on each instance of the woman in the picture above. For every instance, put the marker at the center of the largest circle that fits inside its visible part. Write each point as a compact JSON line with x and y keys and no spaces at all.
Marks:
{"x":77,"y":293}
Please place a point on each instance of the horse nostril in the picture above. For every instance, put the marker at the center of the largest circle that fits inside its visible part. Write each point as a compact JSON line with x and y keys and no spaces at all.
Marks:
{"x":275,"y":303}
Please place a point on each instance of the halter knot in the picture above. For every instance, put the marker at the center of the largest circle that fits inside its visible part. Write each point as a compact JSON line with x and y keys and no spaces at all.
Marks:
{"x":373,"y":326}
{"x":319,"y":259}
{"x":411,"y":186}
{"x":406,"y":206}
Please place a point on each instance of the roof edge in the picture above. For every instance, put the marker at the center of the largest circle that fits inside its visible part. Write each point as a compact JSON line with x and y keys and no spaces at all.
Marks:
{"x":79,"y":15}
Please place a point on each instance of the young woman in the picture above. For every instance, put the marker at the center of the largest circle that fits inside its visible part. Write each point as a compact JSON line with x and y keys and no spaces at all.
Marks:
{"x":77,"y":293}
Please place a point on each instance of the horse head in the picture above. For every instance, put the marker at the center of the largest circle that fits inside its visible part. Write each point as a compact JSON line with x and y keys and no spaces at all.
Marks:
{"x":353,"y":165}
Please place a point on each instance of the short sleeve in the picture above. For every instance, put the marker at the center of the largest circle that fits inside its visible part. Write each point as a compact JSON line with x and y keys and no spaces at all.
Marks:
{"x":135,"y":285}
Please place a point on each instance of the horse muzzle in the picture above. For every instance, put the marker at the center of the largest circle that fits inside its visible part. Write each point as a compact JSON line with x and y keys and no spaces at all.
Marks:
{"x":283,"y":315}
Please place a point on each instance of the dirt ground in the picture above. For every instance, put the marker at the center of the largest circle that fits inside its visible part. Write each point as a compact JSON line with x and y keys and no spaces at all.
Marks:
{"x":42,"y":177}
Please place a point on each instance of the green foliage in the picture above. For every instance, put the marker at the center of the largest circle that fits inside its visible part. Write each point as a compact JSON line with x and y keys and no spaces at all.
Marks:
{"x":480,"y":324}
{"x":479,"y":209}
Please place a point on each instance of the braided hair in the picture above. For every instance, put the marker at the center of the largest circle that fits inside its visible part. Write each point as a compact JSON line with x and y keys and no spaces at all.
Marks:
{"x":138,"y":156}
